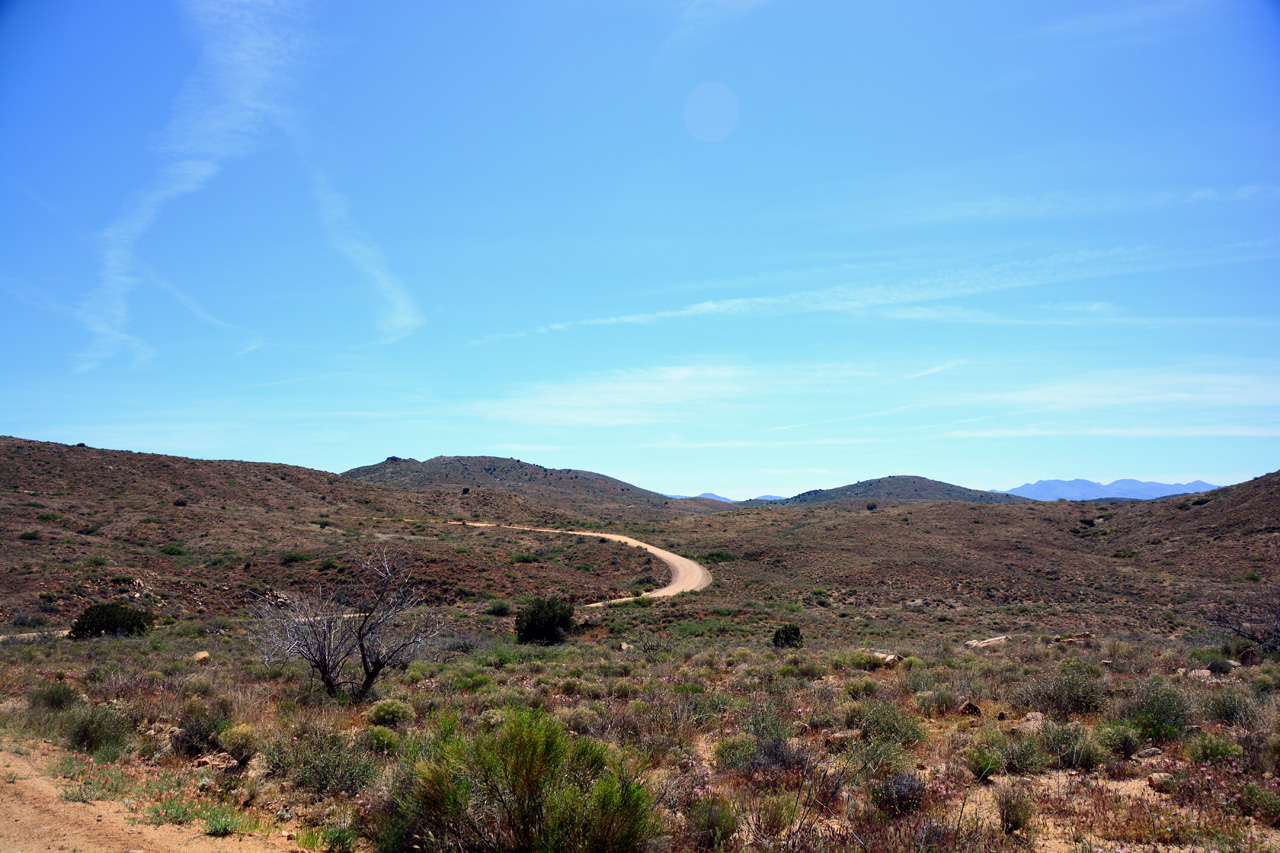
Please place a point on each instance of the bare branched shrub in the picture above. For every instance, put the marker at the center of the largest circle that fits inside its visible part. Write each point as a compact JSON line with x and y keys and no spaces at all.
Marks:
{"x":377,"y":628}
{"x":1257,"y":619}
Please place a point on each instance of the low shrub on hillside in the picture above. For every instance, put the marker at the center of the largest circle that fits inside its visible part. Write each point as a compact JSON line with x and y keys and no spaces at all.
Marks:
{"x":1159,"y":711}
{"x":525,"y":785}
{"x":111,"y":619}
{"x":544,"y":621}
{"x":1071,"y":690}
{"x":788,"y":637}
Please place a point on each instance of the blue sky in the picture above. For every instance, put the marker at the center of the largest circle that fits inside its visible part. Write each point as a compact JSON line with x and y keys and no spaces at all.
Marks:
{"x":730,"y":245}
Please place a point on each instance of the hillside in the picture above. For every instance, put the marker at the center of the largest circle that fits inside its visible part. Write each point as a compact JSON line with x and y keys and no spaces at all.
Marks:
{"x":893,"y":490}
{"x":80,"y":524}
{"x":1088,"y":490}
{"x":582,"y":493}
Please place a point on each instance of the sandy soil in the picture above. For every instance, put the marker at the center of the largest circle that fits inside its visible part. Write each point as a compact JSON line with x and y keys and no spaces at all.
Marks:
{"x":686,"y":575}
{"x":34,"y":818}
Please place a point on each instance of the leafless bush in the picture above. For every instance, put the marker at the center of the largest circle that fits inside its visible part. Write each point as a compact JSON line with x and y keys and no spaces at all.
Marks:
{"x":376,"y":628}
{"x":1257,"y":619}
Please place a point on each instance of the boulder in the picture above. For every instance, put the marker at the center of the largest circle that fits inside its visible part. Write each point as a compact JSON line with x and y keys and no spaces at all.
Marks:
{"x":987,"y":643}
{"x":201,"y":658}
{"x":1162,"y":782}
{"x":1149,"y":752}
{"x":1031,"y":724}
{"x":1200,"y":674}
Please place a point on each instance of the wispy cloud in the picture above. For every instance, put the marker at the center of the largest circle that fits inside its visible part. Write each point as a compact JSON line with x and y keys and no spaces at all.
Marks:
{"x":1201,"y":391}
{"x":250,"y":57}
{"x":1223,"y":431}
{"x":697,"y":15}
{"x":851,"y":298}
{"x":938,"y":368}
{"x":1131,"y":23}
{"x":400,"y":316}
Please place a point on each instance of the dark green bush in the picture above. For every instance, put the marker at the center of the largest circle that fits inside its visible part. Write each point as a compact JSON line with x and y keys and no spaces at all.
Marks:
{"x":498,"y":608}
{"x":174,"y":550}
{"x":788,"y":637}
{"x":114,"y":619}
{"x":1159,"y":711}
{"x":545,"y":621}
{"x":900,"y":794}
{"x":525,"y":786}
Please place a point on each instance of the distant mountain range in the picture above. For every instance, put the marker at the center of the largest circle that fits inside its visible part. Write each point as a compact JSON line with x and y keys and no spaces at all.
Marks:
{"x":1088,"y":490}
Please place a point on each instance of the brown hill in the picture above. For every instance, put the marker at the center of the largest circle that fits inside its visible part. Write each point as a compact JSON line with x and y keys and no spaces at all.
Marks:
{"x":582,"y":493}
{"x":80,"y":525}
{"x":894,"y":490}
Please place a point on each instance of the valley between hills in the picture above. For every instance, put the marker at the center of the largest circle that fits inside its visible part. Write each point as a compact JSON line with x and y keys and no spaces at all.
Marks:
{"x":874,"y":726}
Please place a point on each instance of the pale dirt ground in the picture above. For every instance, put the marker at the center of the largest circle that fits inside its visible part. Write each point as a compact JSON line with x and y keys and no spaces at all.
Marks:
{"x":686,"y":575}
{"x":35,"y":819}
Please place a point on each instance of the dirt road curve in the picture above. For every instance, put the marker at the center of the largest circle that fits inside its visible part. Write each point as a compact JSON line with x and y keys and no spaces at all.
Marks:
{"x":686,"y":575}
{"x":35,"y":819}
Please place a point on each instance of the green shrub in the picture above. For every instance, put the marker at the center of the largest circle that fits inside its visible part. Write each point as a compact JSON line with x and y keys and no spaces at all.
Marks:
{"x":1069,"y":746}
{"x":1230,"y":706}
{"x":241,"y":742}
{"x":788,"y":637}
{"x":1071,"y":690}
{"x":882,"y":719}
{"x":1211,"y":749}
{"x":525,"y":786}
{"x":1260,"y":803}
{"x":94,"y":728}
{"x":1119,"y":739}
{"x":860,"y":688}
{"x":498,"y":608}
{"x":53,"y":697}
{"x":390,"y":712}
{"x":1159,"y":711}
{"x":1023,"y":755}
{"x":712,"y":822}
{"x":114,"y":619}
{"x":544,"y":621}
{"x":324,"y":760}
{"x":983,"y":762}
{"x":734,"y":752}
{"x":174,"y":550}
{"x":383,"y":739}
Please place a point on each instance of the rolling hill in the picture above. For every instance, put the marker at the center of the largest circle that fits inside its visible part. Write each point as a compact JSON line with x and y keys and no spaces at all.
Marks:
{"x":893,"y":490}
{"x":582,"y":493}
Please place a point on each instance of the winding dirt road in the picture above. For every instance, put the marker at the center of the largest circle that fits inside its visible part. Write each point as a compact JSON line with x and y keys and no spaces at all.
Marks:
{"x":686,"y":575}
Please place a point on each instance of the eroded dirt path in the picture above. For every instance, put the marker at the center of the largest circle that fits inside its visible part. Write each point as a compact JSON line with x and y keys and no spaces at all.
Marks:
{"x":35,"y":819}
{"x":686,"y":575}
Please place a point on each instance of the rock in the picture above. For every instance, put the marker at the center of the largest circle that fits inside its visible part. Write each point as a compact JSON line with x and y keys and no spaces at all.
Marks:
{"x":626,"y":647}
{"x":1149,"y":752}
{"x":888,"y":660}
{"x":1200,"y":674}
{"x":1233,"y":663}
{"x":987,"y":643}
{"x":1031,"y":724}
{"x":1191,"y":730}
{"x":840,"y":742}
{"x":1162,"y":782}
{"x":218,"y":761}
{"x":970,"y":709}
{"x":1084,"y":635}
{"x":1105,"y":663}
{"x":201,"y":658}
